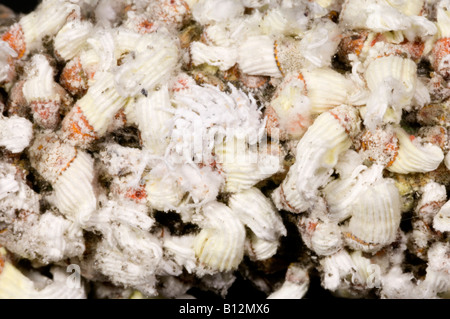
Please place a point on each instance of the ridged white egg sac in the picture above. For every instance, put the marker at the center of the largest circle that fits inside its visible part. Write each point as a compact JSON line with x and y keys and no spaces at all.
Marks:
{"x":44,"y":239}
{"x":289,"y":112}
{"x":414,"y":156}
{"x":220,"y":243}
{"x":439,"y":57}
{"x":349,"y":275}
{"x":384,"y":16}
{"x":441,"y":221}
{"x":27,"y":35}
{"x":72,"y":39}
{"x":320,"y":43}
{"x":180,"y":249}
{"x":326,"y":88}
{"x":154,"y":115}
{"x":244,"y":166}
{"x":376,"y":212}
{"x":155,"y":58}
{"x":258,"y":213}
{"x":91,"y":115}
{"x":16,"y":285}
{"x":433,"y":197}
{"x":42,"y":94}
{"x":392,"y":81}
{"x":317,"y":154}
{"x":222,"y":57}
{"x":163,"y":189}
{"x":256,"y":57}
{"x":71,"y":173}
{"x":210,"y":12}
{"x":129,"y":257}
{"x":324,"y":238}
{"x":15,"y":133}
{"x":295,"y":286}
{"x":437,"y":279}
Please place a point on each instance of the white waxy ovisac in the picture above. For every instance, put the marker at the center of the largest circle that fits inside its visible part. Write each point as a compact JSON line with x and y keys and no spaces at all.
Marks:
{"x":72,"y":38}
{"x":376,"y":212}
{"x":222,"y":57}
{"x":414,"y":156}
{"x":220,"y":243}
{"x":15,"y":133}
{"x":317,"y":154}
{"x":154,"y":117}
{"x":256,"y":56}
{"x":295,"y":286}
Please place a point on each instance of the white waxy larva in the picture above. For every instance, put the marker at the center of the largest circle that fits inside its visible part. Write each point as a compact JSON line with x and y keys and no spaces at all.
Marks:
{"x":437,"y":279}
{"x":413,"y":156}
{"x":295,"y":286}
{"x":433,"y":197}
{"x":220,"y":243}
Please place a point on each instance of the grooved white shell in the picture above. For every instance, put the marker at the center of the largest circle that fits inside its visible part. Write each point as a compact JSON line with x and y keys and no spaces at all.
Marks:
{"x":15,"y":133}
{"x":220,"y":243}
{"x":258,"y":213}
{"x":326,"y":239}
{"x":222,"y":57}
{"x":71,"y":39}
{"x":256,"y":56}
{"x":414,"y":156}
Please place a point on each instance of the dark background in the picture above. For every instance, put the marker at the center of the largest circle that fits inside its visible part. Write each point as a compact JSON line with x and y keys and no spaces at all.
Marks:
{"x":23,"y":6}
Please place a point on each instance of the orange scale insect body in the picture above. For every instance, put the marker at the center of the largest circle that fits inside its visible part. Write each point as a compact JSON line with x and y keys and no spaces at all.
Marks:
{"x":76,"y":128}
{"x":74,"y":78}
{"x":441,"y":57}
